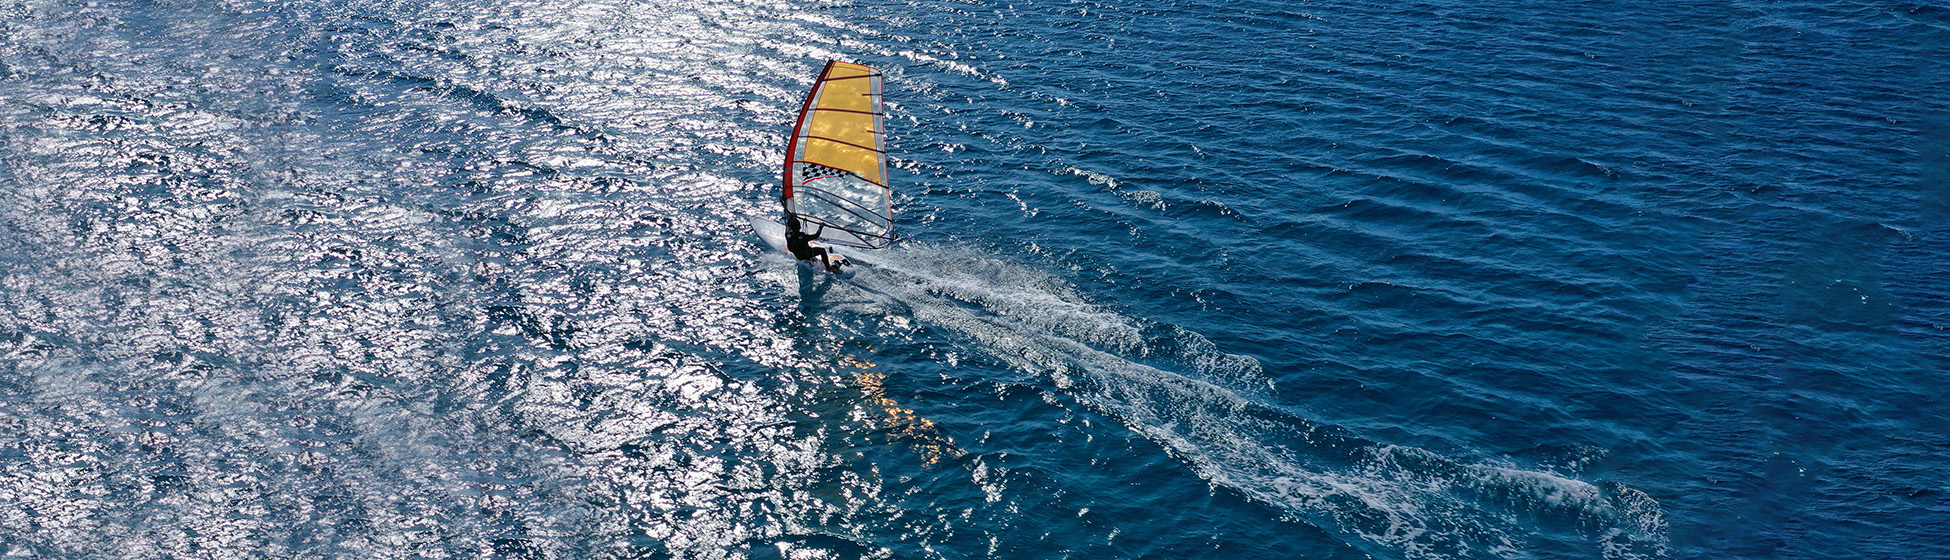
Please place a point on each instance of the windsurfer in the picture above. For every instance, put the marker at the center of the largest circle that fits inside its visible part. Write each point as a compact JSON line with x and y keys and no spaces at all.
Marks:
{"x":800,"y":244}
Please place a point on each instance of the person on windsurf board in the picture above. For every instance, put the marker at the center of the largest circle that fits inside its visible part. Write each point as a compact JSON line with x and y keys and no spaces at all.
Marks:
{"x":834,"y":184}
{"x":800,"y":244}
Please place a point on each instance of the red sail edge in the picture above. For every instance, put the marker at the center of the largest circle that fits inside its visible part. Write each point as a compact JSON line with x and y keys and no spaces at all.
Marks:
{"x":792,"y":141}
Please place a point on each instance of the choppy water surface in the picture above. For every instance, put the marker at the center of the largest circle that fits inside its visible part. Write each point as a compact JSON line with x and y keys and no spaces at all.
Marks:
{"x":1180,"y":279}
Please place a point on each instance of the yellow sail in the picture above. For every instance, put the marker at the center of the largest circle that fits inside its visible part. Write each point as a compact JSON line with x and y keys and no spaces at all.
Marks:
{"x":842,"y":130}
{"x":836,"y":164}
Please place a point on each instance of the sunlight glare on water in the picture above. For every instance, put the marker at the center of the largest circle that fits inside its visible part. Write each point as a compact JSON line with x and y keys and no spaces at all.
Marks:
{"x":1177,"y":279}
{"x":422,"y":278}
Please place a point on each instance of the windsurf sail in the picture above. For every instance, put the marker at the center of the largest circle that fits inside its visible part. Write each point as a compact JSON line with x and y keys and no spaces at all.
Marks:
{"x":836,"y":162}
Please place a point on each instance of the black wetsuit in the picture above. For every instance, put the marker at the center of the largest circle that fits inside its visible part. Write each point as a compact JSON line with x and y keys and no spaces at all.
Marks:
{"x":800,"y":243}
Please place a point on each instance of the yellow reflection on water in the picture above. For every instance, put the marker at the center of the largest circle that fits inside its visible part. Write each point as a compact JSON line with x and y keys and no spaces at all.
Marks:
{"x":904,"y":423}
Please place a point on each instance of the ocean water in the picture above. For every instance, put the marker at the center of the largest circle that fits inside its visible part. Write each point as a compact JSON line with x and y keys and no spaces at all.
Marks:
{"x":1178,"y":279}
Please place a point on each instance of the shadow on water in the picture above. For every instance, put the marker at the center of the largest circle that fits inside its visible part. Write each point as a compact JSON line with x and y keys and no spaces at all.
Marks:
{"x":812,"y":289}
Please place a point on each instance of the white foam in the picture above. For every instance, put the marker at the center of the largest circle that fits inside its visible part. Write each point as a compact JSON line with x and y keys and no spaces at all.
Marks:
{"x":1200,"y":403}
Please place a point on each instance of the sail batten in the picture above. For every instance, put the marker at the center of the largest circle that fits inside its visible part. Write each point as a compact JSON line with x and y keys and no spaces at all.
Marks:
{"x":836,"y":166}
{"x":824,"y":139}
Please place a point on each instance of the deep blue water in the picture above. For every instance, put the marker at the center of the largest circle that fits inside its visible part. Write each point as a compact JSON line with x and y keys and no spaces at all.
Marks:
{"x":1180,"y":279}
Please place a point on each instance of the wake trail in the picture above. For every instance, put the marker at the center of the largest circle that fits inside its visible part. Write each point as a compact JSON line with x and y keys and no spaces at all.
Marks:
{"x":1212,"y":410}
